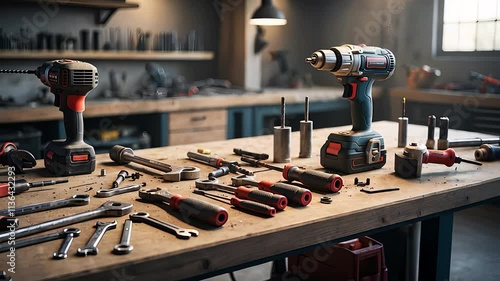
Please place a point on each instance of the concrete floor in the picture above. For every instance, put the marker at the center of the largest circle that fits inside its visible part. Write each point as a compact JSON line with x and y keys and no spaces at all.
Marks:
{"x":475,"y":248}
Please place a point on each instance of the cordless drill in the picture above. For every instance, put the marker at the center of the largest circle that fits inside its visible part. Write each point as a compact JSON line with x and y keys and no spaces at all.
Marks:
{"x":70,"y":81}
{"x":356,"y":68}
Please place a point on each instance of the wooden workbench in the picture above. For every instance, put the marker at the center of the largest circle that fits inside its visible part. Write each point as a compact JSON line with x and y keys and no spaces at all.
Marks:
{"x":244,"y":238}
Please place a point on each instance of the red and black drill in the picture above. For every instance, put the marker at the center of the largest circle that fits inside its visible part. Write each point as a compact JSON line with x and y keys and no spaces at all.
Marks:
{"x":356,"y":68}
{"x":70,"y":81}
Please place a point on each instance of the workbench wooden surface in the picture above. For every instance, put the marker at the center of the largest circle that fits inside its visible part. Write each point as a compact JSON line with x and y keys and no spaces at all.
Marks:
{"x":160,"y":256}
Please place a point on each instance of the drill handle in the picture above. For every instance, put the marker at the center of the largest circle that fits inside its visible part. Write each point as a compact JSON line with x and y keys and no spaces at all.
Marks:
{"x":358,"y":90}
{"x":446,"y":157}
{"x":72,"y":107}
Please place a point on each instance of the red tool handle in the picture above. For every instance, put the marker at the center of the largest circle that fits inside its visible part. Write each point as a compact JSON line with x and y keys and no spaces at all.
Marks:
{"x":295,"y":194}
{"x":201,"y":210}
{"x":446,"y":157}
{"x":253,"y":207}
{"x":314,"y":179}
{"x":274,"y":200}
{"x":4,"y":189}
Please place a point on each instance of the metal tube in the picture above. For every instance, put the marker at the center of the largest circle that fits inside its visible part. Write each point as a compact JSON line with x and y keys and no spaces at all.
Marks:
{"x":431,"y":127}
{"x":444,"y":124}
{"x":403,"y":131}
{"x":472,"y":142}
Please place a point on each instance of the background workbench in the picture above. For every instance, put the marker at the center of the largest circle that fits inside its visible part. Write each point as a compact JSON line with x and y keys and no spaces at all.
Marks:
{"x":245,"y":238}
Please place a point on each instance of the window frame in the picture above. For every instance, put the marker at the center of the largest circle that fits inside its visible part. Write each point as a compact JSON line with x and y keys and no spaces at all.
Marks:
{"x":438,"y":40}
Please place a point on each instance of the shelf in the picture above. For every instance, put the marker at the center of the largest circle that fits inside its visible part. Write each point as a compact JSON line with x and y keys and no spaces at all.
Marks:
{"x":109,"y":55}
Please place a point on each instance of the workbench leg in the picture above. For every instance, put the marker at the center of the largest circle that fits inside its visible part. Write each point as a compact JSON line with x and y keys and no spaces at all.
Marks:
{"x":435,"y":248}
{"x":278,"y":270}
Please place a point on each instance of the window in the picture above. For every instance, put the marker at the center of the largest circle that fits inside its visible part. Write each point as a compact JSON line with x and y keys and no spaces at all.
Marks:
{"x":468,"y":27}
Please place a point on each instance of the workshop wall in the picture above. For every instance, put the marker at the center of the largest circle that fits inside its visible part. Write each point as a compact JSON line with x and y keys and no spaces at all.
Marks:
{"x":152,"y":15}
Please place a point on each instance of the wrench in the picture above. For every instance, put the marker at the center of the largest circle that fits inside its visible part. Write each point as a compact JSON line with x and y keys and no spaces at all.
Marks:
{"x":108,"y":209}
{"x":124,"y":246}
{"x":124,"y":155}
{"x":182,"y":233}
{"x":118,"y":190}
{"x":62,"y":253}
{"x":91,"y":247}
{"x":75,"y":200}
{"x":39,"y":239}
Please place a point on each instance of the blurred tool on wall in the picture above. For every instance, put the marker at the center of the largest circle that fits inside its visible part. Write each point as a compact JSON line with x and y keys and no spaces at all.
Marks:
{"x":488,"y":84}
{"x":286,"y":77}
{"x":422,"y":77}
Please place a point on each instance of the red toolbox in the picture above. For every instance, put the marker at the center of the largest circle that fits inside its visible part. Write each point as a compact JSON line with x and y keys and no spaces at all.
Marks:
{"x":360,"y":259}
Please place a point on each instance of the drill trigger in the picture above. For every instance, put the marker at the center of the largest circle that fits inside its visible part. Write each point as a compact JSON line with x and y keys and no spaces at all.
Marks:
{"x":57,"y":99}
{"x":350,"y":90}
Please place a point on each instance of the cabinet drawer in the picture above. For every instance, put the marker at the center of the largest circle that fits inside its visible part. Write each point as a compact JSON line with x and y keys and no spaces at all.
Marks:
{"x":191,"y":121}
{"x":195,"y":137}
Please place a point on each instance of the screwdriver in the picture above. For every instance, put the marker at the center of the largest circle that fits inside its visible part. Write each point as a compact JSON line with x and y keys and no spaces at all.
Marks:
{"x":190,"y":207}
{"x":233,"y":166}
{"x":274,"y":200}
{"x":122,"y":175}
{"x":310,"y":178}
{"x":20,"y":186}
{"x":255,"y":207}
{"x":258,"y":156}
{"x":447,"y":157}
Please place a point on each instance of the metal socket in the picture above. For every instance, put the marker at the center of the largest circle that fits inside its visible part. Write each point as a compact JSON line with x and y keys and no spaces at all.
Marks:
{"x":403,"y":131}
{"x":282,"y":144}
{"x":306,"y":128}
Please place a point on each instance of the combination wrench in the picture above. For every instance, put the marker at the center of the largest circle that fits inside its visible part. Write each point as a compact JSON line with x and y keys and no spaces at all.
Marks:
{"x":91,"y":247}
{"x":108,"y":209}
{"x":39,"y":239}
{"x":182,"y":233}
{"x":62,"y":253}
{"x":75,"y":200}
{"x":124,"y":246}
{"x":118,"y":190}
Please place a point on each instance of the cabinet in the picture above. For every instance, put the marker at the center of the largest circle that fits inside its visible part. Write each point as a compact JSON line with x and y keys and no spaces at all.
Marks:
{"x":197,"y":126}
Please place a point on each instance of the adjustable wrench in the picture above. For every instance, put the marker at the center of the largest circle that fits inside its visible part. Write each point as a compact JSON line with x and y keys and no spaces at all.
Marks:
{"x":108,"y":209}
{"x":182,"y":233}
{"x":91,"y":247}
{"x":75,"y":200}
{"x":124,"y":155}
{"x":124,"y":246}
{"x":39,"y":239}
{"x":62,"y":253}
{"x":118,"y":190}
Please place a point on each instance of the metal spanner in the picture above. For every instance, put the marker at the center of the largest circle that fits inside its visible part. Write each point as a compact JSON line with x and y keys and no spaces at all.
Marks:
{"x":183,"y":233}
{"x":118,"y":190}
{"x":124,"y":155}
{"x":124,"y":246}
{"x":39,"y":239}
{"x":75,"y":200}
{"x":62,"y":253}
{"x":108,"y":209}
{"x":91,"y":247}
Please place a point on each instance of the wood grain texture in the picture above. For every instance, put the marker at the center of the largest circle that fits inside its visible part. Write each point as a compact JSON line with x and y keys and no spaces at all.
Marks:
{"x":160,"y":256}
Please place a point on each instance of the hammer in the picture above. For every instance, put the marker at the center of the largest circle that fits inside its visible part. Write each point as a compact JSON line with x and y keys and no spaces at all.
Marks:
{"x":444,"y":143}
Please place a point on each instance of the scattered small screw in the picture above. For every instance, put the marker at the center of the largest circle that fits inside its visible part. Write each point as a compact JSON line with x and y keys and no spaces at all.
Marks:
{"x":326,"y":200}
{"x":103,"y":172}
{"x":360,"y":183}
{"x":134,"y":176}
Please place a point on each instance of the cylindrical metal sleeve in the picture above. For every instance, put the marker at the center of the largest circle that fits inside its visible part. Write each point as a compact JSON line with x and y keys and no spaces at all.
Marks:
{"x":431,"y":127}
{"x":282,"y":145}
{"x":444,"y":124}
{"x":306,"y":128}
{"x":402,"y":131}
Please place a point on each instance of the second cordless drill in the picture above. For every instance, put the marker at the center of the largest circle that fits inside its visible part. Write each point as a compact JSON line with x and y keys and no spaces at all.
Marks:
{"x":356,"y":68}
{"x":70,"y":81}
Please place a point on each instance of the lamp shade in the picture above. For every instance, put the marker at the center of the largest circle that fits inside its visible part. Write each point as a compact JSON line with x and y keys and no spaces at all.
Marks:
{"x":268,"y":14}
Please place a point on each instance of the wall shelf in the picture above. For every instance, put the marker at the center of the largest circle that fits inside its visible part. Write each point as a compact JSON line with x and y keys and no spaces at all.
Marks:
{"x":109,"y":55}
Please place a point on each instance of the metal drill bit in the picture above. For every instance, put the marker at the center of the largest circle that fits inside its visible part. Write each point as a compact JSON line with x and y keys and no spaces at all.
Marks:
{"x":459,"y":159}
{"x":404,"y":107}
{"x":282,"y":112}
{"x":17,"y":71}
{"x":306,"y":109}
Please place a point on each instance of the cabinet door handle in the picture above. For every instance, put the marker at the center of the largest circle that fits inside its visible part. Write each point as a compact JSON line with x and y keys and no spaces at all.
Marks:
{"x":198,"y":118}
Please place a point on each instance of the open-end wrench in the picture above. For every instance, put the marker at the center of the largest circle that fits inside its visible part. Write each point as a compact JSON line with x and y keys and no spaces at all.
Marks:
{"x":62,"y":253}
{"x":108,"y":209}
{"x":118,"y":190}
{"x":183,"y":233}
{"x":190,"y":207}
{"x":100,"y":230}
{"x":295,"y":194}
{"x":124,"y":155}
{"x":39,"y":239}
{"x":75,"y":200}
{"x":124,"y":246}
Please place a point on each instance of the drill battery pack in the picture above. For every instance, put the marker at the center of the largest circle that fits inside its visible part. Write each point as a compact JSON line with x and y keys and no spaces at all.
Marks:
{"x":64,"y":159}
{"x":360,"y":259}
{"x":353,"y":152}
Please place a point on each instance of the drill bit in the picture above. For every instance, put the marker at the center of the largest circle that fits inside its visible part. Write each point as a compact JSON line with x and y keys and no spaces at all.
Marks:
{"x":17,"y":71}
{"x":282,"y":112}
{"x":458,"y":160}
{"x":404,"y":107}
{"x":306,"y":109}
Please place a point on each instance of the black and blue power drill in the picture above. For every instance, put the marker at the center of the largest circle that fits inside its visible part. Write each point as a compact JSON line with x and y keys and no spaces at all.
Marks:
{"x":356,"y":68}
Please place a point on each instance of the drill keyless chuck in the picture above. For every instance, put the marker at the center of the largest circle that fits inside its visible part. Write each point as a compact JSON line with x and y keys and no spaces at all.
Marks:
{"x":323,"y":60}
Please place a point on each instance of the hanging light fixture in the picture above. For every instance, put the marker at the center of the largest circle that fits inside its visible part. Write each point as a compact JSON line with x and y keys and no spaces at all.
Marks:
{"x":268,"y":14}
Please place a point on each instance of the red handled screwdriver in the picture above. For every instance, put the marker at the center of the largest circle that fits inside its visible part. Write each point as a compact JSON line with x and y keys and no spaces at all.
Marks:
{"x":446,"y":157}
{"x":274,"y":200}
{"x":310,"y":178}
{"x":20,"y":186}
{"x":243,"y":204}
{"x":192,"y":207}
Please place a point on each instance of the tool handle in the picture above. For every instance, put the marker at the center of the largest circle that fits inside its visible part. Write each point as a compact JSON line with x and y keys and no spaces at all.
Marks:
{"x":295,"y":194}
{"x":314,"y":179}
{"x":255,"y":207}
{"x":274,"y":200}
{"x":258,"y":156}
{"x":73,"y":122}
{"x":358,"y":90}
{"x":201,"y":210}
{"x":446,"y":157}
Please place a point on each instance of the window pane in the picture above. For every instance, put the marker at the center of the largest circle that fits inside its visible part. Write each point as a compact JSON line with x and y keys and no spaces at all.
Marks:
{"x":467,"y":36}
{"x":485,"y":36}
{"x":451,"y":11}
{"x":497,"y":37}
{"x":450,"y":37}
{"x":487,"y":10}
{"x":468,"y":10}
{"x":498,"y":9}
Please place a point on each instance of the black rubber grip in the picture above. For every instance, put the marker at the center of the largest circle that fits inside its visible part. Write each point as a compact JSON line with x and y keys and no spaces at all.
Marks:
{"x":203,"y":211}
{"x":274,"y":200}
{"x":295,"y":194}
{"x":315,"y":179}
{"x":255,"y":207}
